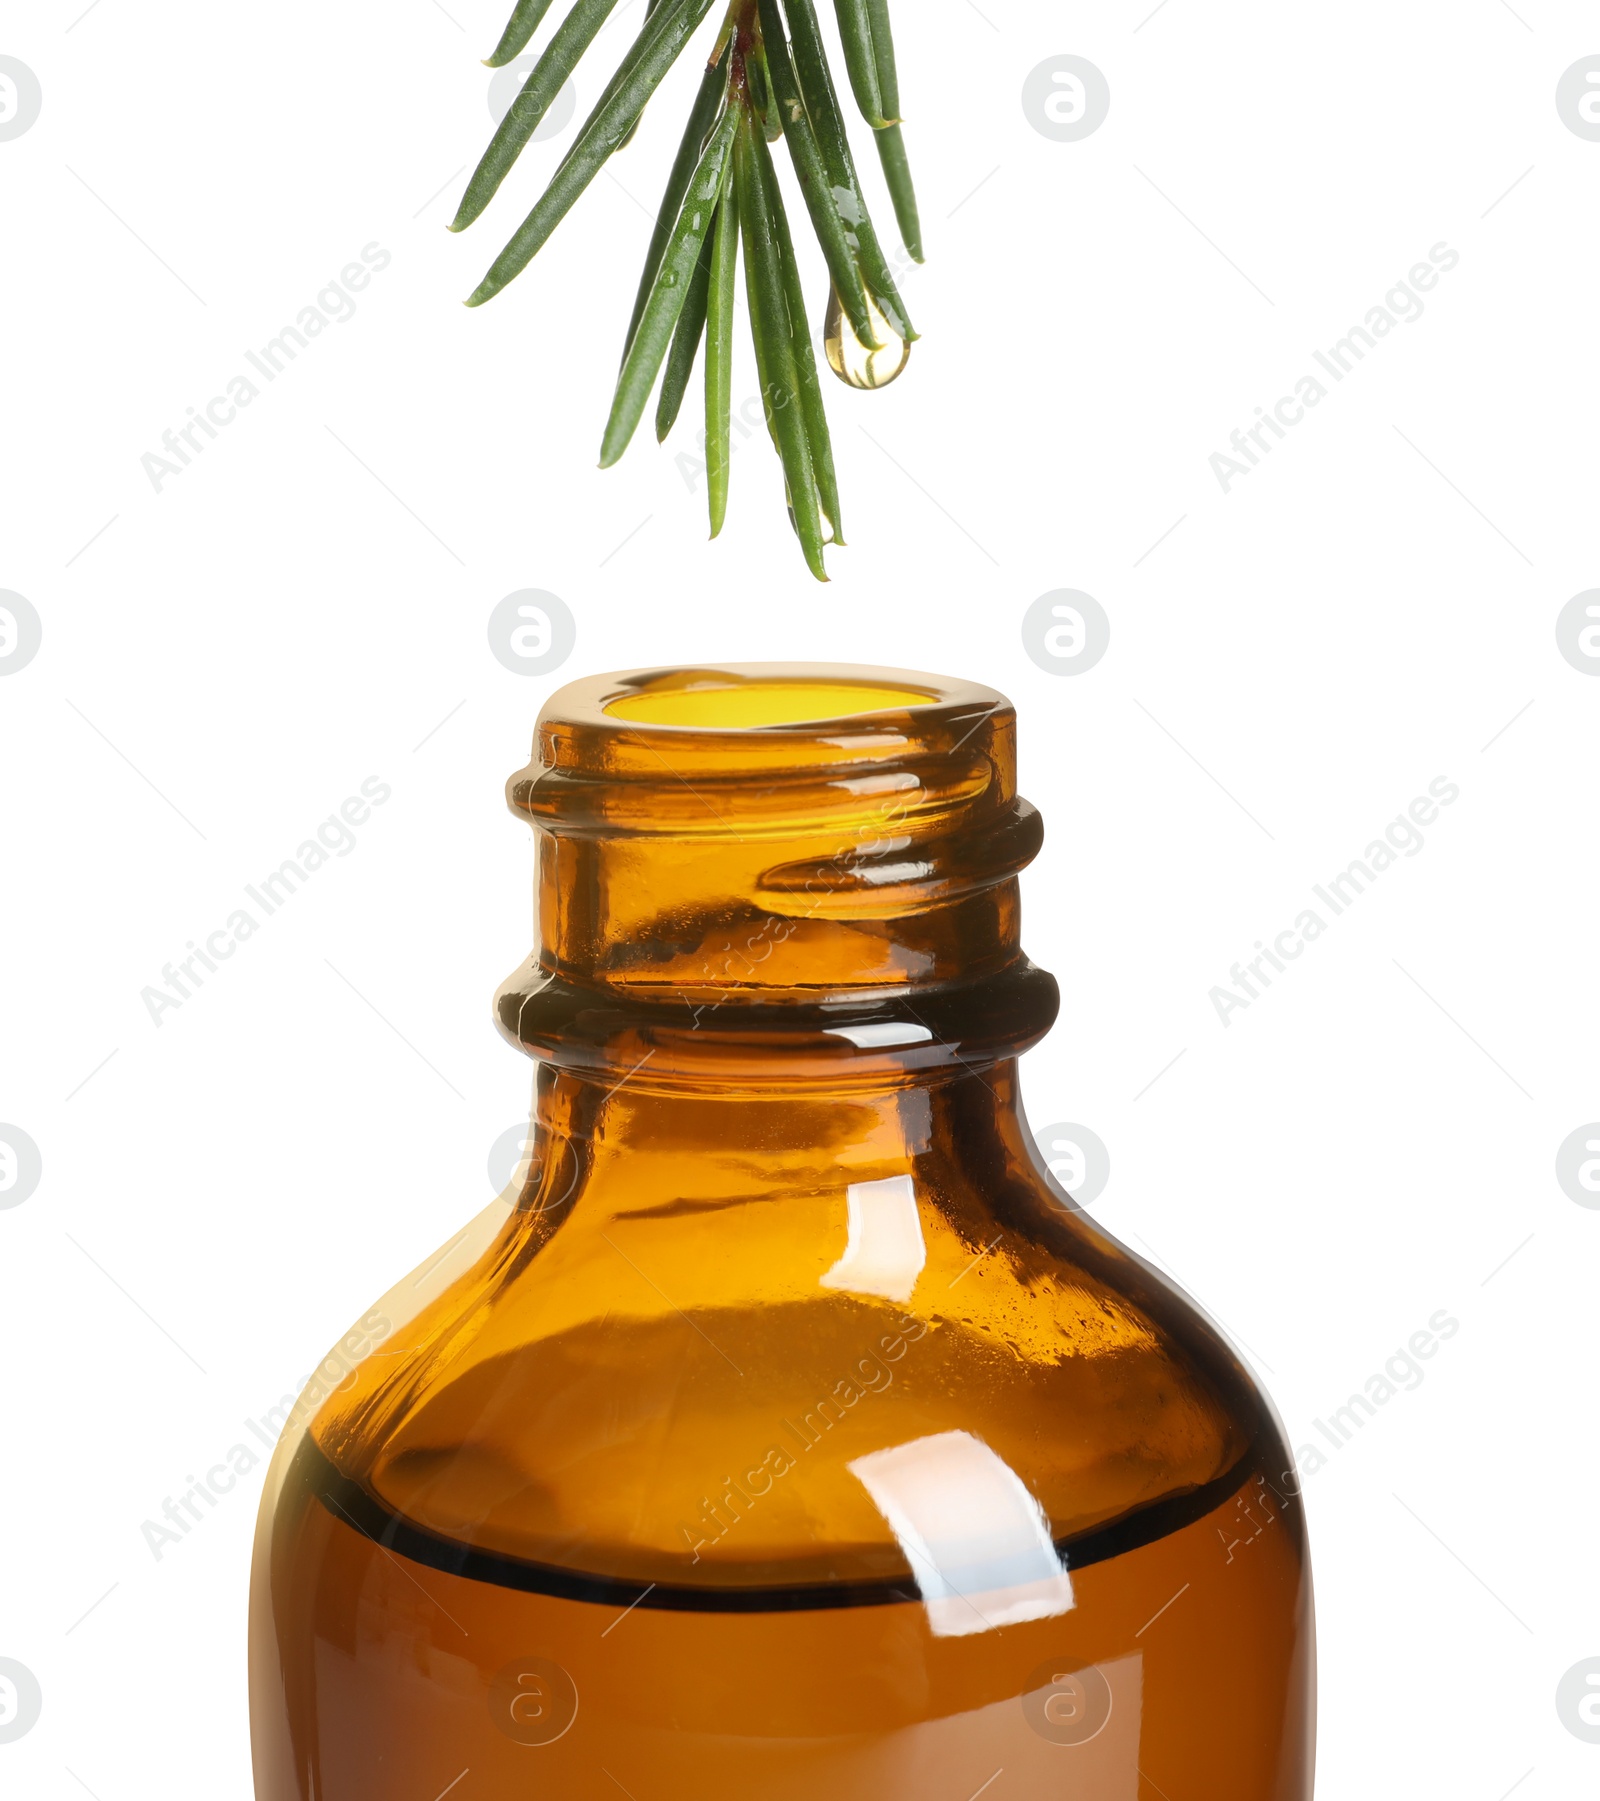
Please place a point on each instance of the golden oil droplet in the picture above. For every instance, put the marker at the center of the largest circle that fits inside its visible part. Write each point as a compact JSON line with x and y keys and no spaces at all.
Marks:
{"x":855,"y":362}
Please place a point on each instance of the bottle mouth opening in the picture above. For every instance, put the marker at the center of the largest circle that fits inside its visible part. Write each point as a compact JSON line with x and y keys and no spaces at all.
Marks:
{"x":729,"y":702}
{"x":748,"y":751}
{"x":726,"y":722}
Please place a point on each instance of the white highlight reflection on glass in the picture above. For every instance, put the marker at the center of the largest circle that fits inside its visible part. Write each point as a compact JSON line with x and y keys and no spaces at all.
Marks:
{"x":884,"y":1034}
{"x":884,"y":1252}
{"x":977,"y":1541}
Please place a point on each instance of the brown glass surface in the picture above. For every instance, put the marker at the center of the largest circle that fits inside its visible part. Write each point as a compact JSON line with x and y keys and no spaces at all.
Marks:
{"x":611,"y":1455}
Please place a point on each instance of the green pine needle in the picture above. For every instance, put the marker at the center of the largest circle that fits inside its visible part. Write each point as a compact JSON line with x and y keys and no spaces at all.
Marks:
{"x":672,"y":283}
{"x":654,"y":51}
{"x":708,"y":103}
{"x":719,"y":353}
{"x":771,"y":328}
{"x":834,"y":234}
{"x":883,"y":53}
{"x":816,"y":86}
{"x":521,"y":26}
{"x":860,"y":60}
{"x":897,"y":175}
{"x":767,"y":76}
{"x":685,"y":340}
{"x":812,"y":415}
{"x":525,"y":114}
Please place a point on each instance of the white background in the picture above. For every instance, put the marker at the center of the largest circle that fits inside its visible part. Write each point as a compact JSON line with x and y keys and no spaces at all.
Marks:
{"x":305,"y":607}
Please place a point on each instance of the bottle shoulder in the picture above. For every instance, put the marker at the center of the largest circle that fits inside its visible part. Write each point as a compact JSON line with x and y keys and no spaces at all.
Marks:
{"x":705,"y":1386}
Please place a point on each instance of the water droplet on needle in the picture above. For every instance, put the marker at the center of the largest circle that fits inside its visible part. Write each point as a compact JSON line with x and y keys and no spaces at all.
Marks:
{"x":854,"y":362}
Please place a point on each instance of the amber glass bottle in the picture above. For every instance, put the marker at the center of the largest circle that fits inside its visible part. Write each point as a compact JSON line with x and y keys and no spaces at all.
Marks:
{"x":783,"y":1431}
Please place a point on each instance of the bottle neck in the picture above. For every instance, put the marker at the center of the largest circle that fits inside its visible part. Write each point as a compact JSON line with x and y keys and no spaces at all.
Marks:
{"x":623,"y":1147}
{"x":812,"y":905}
